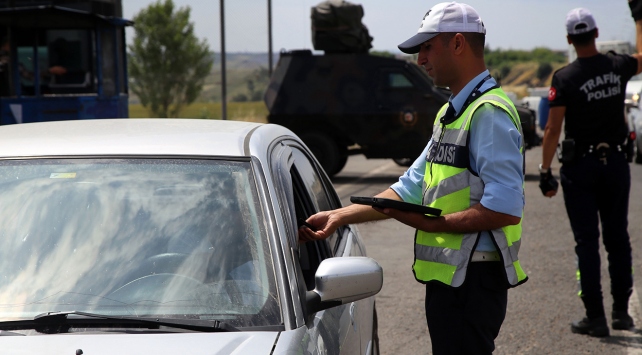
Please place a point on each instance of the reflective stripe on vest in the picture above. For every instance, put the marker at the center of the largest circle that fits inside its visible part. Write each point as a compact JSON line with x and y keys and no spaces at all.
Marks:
{"x":452,"y":187}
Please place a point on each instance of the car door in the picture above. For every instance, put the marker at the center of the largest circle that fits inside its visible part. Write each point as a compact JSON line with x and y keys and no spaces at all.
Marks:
{"x":339,"y":325}
{"x":305,"y":190}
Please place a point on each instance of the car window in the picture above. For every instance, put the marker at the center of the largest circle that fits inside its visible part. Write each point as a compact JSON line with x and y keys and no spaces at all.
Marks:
{"x":66,"y":62}
{"x":394,"y":88}
{"x":311,"y":181}
{"x":310,"y":196}
{"x":175,"y":238}
{"x":311,"y":253}
{"x":391,"y":79}
{"x":313,"y":187}
{"x":398,"y":80}
{"x":68,"y":49}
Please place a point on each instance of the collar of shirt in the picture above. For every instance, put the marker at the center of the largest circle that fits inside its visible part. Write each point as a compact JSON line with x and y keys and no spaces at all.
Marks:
{"x":459,"y":100}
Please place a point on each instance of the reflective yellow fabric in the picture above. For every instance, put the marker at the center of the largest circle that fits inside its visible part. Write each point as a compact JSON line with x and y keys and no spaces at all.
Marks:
{"x":444,"y":256}
{"x":434,"y":271}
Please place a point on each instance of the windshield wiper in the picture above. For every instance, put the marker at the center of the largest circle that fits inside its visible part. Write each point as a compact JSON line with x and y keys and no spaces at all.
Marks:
{"x":55,"y":322}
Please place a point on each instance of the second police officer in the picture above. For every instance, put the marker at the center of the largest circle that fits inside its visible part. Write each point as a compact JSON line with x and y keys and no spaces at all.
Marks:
{"x":588,"y":94}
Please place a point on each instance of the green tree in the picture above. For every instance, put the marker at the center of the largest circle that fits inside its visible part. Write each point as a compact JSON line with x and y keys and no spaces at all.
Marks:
{"x":499,"y":57}
{"x":385,"y":54}
{"x":167,"y":63}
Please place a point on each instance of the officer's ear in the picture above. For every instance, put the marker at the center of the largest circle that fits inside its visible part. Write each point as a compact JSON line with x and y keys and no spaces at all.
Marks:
{"x":459,"y":41}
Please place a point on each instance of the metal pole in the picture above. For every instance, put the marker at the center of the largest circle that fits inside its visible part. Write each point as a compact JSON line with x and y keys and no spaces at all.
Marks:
{"x":223,"y":77}
{"x":36,"y":68}
{"x":269,"y":37}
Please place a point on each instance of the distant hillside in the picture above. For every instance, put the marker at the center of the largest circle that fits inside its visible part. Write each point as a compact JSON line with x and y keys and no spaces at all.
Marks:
{"x":241,"y":68}
{"x":516,"y":70}
{"x":248,"y":76}
{"x":244,"y":60}
{"x":523,"y":76}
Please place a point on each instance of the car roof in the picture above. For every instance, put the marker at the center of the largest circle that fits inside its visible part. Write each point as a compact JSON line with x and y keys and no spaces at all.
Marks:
{"x":124,"y":136}
{"x":633,"y":87}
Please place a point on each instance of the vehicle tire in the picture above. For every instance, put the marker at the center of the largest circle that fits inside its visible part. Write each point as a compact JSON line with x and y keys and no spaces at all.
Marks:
{"x":343,"y":159}
{"x":331,"y":157}
{"x":403,"y":161}
{"x":638,"y":156}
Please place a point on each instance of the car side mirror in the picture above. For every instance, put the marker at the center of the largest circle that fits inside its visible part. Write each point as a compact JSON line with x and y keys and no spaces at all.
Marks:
{"x":343,"y":280}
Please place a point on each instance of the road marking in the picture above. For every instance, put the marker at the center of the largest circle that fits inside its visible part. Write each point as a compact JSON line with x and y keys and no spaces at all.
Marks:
{"x":635,"y":312}
{"x":340,"y":189}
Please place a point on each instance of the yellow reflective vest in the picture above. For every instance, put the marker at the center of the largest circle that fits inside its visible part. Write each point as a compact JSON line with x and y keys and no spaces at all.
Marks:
{"x":450,"y":186}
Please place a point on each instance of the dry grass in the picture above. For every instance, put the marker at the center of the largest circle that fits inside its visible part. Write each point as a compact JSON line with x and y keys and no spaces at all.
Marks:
{"x":523,"y":76}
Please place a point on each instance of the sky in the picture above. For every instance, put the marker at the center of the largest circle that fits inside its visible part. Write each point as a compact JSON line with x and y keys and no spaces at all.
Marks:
{"x":510,"y":24}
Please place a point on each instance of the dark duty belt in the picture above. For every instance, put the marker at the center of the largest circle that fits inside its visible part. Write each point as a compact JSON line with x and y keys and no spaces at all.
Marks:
{"x":601,"y":150}
{"x":485,"y":256}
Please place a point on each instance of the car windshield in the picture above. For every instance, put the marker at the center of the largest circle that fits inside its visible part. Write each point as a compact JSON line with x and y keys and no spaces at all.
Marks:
{"x":166,"y":238}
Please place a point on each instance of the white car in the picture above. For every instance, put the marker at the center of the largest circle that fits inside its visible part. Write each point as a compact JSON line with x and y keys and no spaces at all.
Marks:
{"x":634,"y":120}
{"x":633,"y":106}
{"x":632,"y":92}
{"x":164,"y":236}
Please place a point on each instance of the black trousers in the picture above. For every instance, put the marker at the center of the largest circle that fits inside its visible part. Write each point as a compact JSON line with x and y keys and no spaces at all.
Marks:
{"x":596,"y":193}
{"x":466,"y":319}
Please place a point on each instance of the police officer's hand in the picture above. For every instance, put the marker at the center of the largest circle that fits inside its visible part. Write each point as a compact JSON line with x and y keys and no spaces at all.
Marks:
{"x":323,"y":225}
{"x":547,"y":183}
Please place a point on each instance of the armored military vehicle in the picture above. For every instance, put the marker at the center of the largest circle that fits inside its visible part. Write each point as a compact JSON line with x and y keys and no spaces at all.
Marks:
{"x":346,"y":102}
{"x":342,"y":104}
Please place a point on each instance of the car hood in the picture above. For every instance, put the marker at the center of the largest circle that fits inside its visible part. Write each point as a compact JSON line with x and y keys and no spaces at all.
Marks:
{"x":256,"y":343}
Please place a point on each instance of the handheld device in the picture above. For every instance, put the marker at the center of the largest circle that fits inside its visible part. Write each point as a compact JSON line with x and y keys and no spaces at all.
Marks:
{"x":400,"y":205}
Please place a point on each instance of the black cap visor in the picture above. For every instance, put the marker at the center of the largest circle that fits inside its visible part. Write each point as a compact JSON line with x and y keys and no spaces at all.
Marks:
{"x":411,"y":46}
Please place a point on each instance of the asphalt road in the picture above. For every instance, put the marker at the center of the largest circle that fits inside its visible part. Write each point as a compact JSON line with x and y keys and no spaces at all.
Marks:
{"x":539,"y":311}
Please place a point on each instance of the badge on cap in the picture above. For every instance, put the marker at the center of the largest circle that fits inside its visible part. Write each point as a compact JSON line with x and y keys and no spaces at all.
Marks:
{"x":422,"y":21}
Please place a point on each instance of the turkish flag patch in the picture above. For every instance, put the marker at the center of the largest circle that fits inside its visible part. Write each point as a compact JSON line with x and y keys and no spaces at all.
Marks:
{"x":552,"y":94}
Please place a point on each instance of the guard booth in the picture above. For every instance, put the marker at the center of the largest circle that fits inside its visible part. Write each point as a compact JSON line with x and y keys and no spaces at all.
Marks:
{"x":62,"y":60}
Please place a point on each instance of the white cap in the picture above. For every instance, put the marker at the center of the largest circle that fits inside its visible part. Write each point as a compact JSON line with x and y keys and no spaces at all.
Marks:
{"x":579,"y":21}
{"x":444,"y":17}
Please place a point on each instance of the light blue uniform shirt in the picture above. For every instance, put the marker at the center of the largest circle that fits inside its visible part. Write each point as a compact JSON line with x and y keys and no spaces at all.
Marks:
{"x":494,"y":155}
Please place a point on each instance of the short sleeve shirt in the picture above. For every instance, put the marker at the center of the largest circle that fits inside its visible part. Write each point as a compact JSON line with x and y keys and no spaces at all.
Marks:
{"x":593,"y":91}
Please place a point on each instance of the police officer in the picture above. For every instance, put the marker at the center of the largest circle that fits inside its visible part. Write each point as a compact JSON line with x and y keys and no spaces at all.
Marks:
{"x":589,"y":94}
{"x":472,"y":169}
